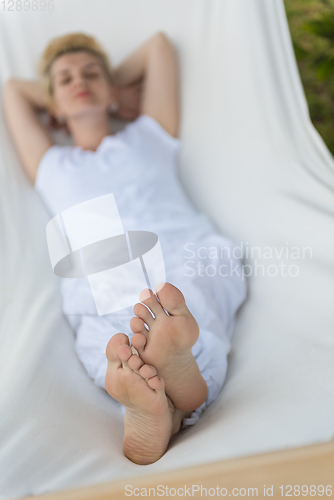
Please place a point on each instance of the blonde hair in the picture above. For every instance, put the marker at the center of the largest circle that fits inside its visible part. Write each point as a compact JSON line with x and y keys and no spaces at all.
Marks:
{"x":72,"y":42}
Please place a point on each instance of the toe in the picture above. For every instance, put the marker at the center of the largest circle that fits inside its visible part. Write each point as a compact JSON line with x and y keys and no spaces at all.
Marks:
{"x":114,"y":343}
{"x":138,"y":341}
{"x":148,"y":298}
{"x":137,"y":325}
{"x":124,"y":352}
{"x":157,"y":383}
{"x":135,"y":363}
{"x":147,"y":371}
{"x":143,"y":313}
{"x":118,"y":341}
{"x":172,"y":299}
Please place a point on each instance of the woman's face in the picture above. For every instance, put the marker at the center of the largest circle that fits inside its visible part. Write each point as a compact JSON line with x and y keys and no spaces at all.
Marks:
{"x":80,"y":85}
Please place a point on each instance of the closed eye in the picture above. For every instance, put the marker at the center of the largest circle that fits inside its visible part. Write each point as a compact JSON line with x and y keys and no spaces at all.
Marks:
{"x":88,"y":75}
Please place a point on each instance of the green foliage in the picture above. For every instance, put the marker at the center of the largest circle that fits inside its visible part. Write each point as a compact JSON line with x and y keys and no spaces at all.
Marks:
{"x":323,"y":26}
{"x":311,"y":25}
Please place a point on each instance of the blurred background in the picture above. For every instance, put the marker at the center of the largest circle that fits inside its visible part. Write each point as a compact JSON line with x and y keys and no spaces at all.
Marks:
{"x":311,"y":25}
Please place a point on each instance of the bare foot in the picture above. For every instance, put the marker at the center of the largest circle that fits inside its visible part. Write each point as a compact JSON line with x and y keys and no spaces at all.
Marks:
{"x":167,"y":345}
{"x":148,"y":420}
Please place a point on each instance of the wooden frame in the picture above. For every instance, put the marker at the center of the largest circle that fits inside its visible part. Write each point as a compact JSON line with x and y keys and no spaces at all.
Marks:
{"x":304,"y":466}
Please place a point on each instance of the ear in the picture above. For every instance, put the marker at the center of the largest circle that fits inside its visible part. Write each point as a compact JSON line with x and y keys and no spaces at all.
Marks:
{"x":53,"y":110}
{"x":113,"y":93}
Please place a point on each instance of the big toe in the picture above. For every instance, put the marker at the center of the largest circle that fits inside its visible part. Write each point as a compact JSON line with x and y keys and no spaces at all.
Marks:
{"x":116,"y":341}
{"x":171,"y":298}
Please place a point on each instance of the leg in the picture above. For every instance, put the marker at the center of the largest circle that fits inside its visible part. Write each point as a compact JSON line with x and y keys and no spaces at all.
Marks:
{"x":150,"y":417}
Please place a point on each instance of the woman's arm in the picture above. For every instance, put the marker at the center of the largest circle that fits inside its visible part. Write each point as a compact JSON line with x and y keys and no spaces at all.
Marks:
{"x":133,"y":68}
{"x":155,"y":63}
{"x":22,"y":99}
{"x":32,"y":90}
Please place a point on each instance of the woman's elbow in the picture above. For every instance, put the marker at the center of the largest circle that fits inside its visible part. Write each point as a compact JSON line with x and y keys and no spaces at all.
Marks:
{"x":161,"y":36}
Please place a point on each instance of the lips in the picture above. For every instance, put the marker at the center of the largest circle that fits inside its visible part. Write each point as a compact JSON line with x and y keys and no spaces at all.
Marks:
{"x":83,"y":93}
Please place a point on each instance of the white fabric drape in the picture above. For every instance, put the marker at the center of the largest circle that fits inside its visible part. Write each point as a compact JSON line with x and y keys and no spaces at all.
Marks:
{"x":253,"y":162}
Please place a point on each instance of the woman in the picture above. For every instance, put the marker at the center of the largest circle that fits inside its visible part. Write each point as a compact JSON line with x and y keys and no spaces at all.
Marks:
{"x":179,"y":363}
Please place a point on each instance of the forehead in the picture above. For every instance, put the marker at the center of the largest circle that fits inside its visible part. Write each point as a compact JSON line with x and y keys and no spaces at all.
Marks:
{"x":66,"y":62}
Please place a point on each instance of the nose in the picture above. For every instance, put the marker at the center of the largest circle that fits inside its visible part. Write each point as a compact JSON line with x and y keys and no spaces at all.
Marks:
{"x":79,"y":81}
{"x":79,"y":86}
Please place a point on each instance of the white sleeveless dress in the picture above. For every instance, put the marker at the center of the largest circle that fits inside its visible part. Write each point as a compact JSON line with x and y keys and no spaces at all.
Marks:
{"x":139,"y":166}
